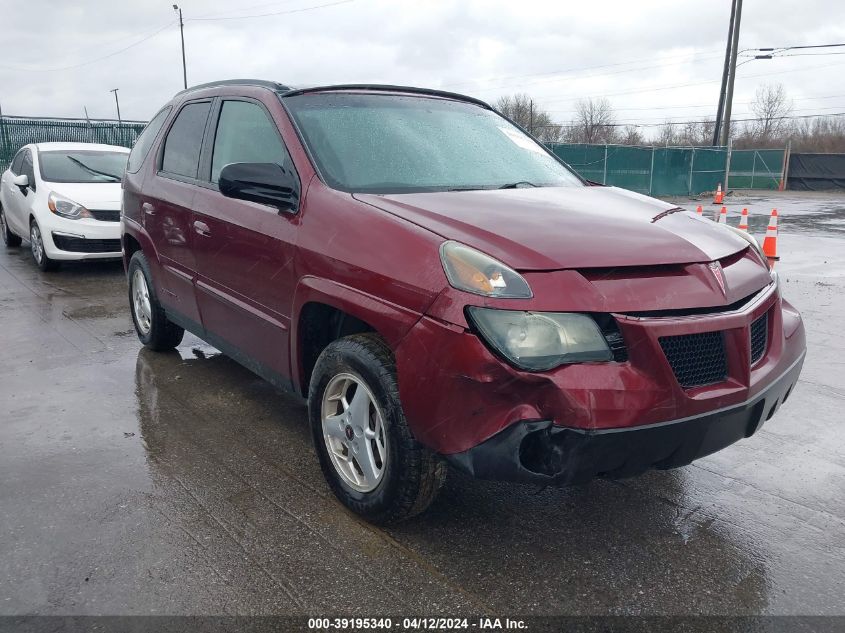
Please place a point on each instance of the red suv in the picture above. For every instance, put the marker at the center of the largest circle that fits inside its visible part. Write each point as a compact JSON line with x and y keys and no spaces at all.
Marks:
{"x":443,"y":289}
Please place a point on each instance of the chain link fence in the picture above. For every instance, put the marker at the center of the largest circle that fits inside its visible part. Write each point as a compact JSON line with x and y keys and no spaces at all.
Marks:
{"x":673,"y":171}
{"x":757,"y":169}
{"x":657,"y":171}
{"x":15,"y":132}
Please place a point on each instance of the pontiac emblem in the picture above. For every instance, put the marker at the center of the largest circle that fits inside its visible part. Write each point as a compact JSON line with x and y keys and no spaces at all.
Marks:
{"x":716,"y":269}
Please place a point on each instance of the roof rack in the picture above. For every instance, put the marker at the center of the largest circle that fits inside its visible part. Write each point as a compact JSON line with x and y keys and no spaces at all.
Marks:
{"x":388,"y":88}
{"x":271,"y":85}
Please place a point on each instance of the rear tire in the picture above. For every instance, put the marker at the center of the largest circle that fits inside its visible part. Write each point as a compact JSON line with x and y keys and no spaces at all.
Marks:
{"x":36,"y":243}
{"x":367,"y":453}
{"x":153,"y":327}
{"x":9,"y":239}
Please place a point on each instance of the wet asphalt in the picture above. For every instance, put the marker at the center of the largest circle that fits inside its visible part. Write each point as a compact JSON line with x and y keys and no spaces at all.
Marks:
{"x":142,"y":483}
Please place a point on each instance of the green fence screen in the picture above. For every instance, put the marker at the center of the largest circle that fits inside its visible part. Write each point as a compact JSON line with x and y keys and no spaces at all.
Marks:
{"x":672,"y":171}
{"x":657,"y":171}
{"x":756,"y":168}
{"x":15,"y":132}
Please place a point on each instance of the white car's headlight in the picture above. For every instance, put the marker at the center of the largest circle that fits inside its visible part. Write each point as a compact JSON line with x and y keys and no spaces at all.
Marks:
{"x":66,"y":208}
{"x":539,"y":341}
{"x":473,"y":271}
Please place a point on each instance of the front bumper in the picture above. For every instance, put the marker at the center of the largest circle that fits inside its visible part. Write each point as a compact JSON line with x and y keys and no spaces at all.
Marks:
{"x":79,"y":239}
{"x":457,"y":395}
{"x":540,"y":452}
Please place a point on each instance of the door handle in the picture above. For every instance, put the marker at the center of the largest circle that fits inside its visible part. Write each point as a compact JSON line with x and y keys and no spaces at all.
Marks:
{"x":148,"y":208}
{"x":202,"y":228}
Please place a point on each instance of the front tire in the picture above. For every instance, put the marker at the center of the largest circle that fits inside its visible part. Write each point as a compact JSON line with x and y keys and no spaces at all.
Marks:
{"x":153,"y":327}
{"x":36,"y":243}
{"x":371,"y":461}
{"x":9,"y":239}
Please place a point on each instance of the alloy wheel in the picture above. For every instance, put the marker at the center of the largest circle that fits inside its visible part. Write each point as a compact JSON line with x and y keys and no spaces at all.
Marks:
{"x":3,"y":227}
{"x":35,"y":243}
{"x":353,"y":429}
{"x":141,"y":305}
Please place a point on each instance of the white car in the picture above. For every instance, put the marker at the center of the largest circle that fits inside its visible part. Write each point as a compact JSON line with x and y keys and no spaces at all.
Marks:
{"x":65,"y":199}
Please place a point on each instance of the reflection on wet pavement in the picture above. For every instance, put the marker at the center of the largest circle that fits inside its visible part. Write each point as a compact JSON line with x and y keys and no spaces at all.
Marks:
{"x":136,"y":482}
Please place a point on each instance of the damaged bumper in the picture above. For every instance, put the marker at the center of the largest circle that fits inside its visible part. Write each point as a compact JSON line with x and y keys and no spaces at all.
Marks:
{"x":539,"y":452}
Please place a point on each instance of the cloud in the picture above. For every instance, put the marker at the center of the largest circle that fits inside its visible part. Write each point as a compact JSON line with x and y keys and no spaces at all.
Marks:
{"x":556,"y":51}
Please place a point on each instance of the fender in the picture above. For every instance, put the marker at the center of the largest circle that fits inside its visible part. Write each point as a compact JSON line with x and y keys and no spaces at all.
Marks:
{"x":140,"y":234}
{"x":391,"y":321}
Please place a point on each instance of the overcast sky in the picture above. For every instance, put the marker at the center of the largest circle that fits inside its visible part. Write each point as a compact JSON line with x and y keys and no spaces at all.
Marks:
{"x":652,"y":59}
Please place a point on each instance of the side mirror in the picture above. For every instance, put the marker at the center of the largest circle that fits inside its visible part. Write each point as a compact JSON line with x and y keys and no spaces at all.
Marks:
{"x":265,"y":183}
{"x":21,"y":180}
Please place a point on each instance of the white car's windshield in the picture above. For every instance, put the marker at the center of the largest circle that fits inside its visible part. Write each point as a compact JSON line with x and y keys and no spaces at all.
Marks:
{"x":85,"y":166}
{"x":387,"y":143}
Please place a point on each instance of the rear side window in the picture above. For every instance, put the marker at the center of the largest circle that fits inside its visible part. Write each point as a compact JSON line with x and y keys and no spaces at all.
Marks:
{"x":15,"y":167}
{"x":184,"y":140}
{"x":245,"y":134}
{"x":145,"y":141}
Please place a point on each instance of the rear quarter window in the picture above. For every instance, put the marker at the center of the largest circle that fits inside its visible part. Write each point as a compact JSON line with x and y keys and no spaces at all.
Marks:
{"x":145,"y":141}
{"x":182,"y":146}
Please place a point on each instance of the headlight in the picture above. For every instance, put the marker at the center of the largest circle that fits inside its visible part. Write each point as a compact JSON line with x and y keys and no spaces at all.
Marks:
{"x":472,"y":271}
{"x":753,"y":242}
{"x":538,"y":341}
{"x":66,"y":208}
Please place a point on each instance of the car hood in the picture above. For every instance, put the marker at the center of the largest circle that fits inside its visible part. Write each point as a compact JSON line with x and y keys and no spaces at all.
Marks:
{"x":552,"y":228}
{"x":101,"y":195}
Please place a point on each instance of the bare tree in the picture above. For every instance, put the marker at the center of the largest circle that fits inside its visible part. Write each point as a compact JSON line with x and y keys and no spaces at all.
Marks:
{"x":771,"y":106}
{"x":667,"y":134}
{"x":696,"y":132}
{"x":631,"y":135}
{"x":595,"y":121}
{"x":524,"y":111}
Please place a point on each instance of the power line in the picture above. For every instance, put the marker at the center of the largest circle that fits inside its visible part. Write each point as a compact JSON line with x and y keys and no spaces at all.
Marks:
{"x":96,"y":59}
{"x":695,"y":83}
{"x":560,"y":75}
{"x":264,"y":15}
{"x":694,"y":106}
{"x":249,"y":6}
{"x":706,"y":121}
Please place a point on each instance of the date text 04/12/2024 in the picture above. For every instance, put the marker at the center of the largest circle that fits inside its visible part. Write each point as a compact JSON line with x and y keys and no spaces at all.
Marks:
{"x":417,"y":624}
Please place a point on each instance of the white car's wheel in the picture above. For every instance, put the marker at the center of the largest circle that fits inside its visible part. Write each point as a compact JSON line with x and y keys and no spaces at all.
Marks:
{"x":36,"y":243}
{"x":9,"y":239}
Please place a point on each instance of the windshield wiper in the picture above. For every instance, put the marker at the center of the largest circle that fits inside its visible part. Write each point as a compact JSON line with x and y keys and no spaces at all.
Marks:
{"x":94,"y":171}
{"x":518,"y":184}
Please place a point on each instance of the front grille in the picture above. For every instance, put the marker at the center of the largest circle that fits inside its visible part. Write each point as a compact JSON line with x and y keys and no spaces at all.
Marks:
{"x":759,"y":337}
{"x":696,"y":359}
{"x":81,"y":245}
{"x":106,"y":215}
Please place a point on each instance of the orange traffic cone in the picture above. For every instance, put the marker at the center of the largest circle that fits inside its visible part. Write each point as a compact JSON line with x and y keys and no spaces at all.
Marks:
{"x":743,"y":221}
{"x":770,"y":243}
{"x":723,"y":216}
{"x":720,"y":196}
{"x":699,"y":210}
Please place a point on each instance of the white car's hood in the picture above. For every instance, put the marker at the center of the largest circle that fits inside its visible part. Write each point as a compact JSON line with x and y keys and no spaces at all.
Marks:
{"x":100,"y":195}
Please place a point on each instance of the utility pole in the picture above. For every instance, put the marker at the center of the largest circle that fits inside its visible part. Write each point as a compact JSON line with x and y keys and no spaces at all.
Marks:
{"x":725,"y":70}
{"x":116,"y":102}
{"x":119,"y":130}
{"x":182,"y":32}
{"x":531,"y":117}
{"x":726,"y":129}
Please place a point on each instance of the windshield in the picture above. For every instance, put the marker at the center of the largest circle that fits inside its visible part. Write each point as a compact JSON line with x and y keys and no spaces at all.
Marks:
{"x":85,"y":166}
{"x":377,"y":143}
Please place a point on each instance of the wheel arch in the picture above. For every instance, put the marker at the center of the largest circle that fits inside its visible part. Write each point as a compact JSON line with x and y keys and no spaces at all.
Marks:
{"x":325,"y":311}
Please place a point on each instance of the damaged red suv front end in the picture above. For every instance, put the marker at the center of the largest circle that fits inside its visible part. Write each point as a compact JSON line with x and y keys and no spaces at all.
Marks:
{"x":694,"y":348}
